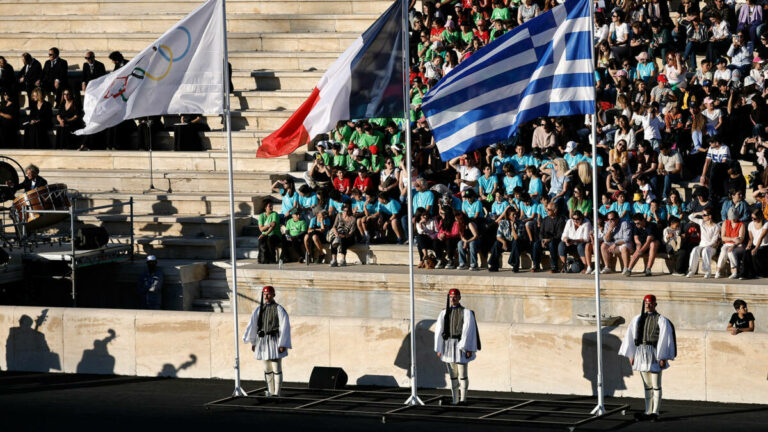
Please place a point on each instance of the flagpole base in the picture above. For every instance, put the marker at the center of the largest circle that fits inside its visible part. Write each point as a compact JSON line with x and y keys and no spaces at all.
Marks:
{"x":239,"y":392}
{"x":598,"y":410}
{"x":414,"y":400}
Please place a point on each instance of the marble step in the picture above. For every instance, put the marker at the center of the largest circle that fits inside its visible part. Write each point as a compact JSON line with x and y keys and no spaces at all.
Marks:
{"x":211,"y":305}
{"x":139,"y":7}
{"x":159,"y":23}
{"x":286,"y":80}
{"x":297,"y":42}
{"x":137,"y":181}
{"x":192,"y":226}
{"x":215,"y":289}
{"x":162,"y":161}
{"x":189,"y":203}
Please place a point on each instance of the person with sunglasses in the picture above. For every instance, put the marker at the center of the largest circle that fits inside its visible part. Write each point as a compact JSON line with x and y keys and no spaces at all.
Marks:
{"x":54,"y":79}
{"x":647,"y":241}
{"x":92,"y":69}
{"x":576,"y":240}
{"x":705,"y":250}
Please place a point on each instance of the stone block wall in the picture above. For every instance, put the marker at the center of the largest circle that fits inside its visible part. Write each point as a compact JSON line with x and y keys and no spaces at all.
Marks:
{"x":536,"y":358}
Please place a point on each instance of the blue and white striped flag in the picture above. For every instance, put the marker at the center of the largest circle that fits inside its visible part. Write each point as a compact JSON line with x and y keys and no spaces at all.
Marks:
{"x":541,"y":68}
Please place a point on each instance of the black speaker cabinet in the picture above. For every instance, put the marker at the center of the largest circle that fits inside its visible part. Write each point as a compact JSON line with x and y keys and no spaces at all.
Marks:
{"x":327,"y":378}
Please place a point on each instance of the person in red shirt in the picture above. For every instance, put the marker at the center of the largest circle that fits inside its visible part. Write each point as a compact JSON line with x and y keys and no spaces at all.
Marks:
{"x":482,"y":32}
{"x":341,"y":183}
{"x":362,"y":183}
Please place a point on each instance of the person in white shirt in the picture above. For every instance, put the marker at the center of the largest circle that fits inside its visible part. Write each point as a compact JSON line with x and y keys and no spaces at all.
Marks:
{"x":740,"y":52}
{"x":468,"y":173}
{"x":652,"y":124}
{"x":710,"y":237}
{"x":721,"y":71}
{"x":576,"y":239}
{"x":720,"y":40}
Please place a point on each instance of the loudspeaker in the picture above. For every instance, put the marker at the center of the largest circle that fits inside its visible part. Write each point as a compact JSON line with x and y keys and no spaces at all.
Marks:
{"x":333,"y":378}
{"x":90,"y":237}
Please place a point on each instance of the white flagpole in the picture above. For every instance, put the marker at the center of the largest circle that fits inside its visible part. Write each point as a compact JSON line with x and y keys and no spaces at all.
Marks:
{"x":414,"y":398}
{"x":600,"y":407}
{"x":232,"y":236}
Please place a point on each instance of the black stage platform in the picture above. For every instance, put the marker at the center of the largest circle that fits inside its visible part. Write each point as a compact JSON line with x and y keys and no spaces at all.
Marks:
{"x":389,"y":405}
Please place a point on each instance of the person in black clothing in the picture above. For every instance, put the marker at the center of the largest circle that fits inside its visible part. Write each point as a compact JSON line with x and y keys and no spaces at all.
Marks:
{"x":69,"y":119}
{"x":30,"y":73}
{"x":7,"y":76}
{"x":39,"y":124}
{"x":186,"y":134}
{"x":148,"y":128}
{"x":32,"y":181}
{"x":742,"y":320}
{"x":9,"y":121}
{"x":647,"y":241}
{"x":549,"y":236}
{"x":117,"y":137}
{"x":509,"y":237}
{"x":54,"y":79}
{"x":92,"y":69}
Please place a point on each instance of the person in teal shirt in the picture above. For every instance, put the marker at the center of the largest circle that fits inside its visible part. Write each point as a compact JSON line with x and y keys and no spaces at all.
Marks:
{"x":293,"y":242}
{"x":622,"y":207}
{"x":470,"y":205}
{"x":511,"y":179}
{"x":499,"y":205}
{"x":386,"y":215}
{"x":307,"y":199}
{"x":290,"y":199}
{"x":487,"y":183}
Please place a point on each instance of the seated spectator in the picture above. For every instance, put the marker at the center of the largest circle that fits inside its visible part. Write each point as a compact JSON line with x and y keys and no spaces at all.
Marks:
{"x":386,"y":216}
{"x":290,"y":199}
{"x":39,"y":122}
{"x":737,"y":203}
{"x":389,"y":179}
{"x":617,"y":241}
{"x":550,"y":235}
{"x":676,"y":247}
{"x":509,"y":238}
{"x":447,"y":238}
{"x":753,"y":258}
{"x":469,"y":236}
{"x":576,"y":240}
{"x":742,"y":321}
{"x":69,"y":119}
{"x":670,"y":167}
{"x":675,"y":207}
{"x":269,"y":237}
{"x":293,"y":239}
{"x":466,"y":172}
{"x":715,"y":169}
{"x":316,"y":235}
{"x":307,"y":200}
{"x":426,"y":233}
{"x":647,"y":241}
{"x":732,"y":233}
{"x":363,"y":182}
{"x":319,"y":175}
{"x":622,"y":207}
{"x":705,"y":250}
{"x":365,"y":221}
{"x":342,"y":234}
{"x":341,"y":183}
{"x":487,"y":184}
{"x":9,"y":121}
{"x":579,"y":201}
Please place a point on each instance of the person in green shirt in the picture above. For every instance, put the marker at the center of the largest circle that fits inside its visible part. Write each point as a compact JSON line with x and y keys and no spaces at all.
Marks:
{"x":499,"y":11}
{"x":424,"y":48}
{"x":378,"y":122}
{"x":371,"y":140}
{"x":322,"y":151}
{"x":360,"y":158}
{"x":497,"y":31}
{"x":269,"y":239}
{"x":338,"y":160}
{"x":466,"y":33}
{"x":293,"y":242}
{"x":450,"y":35}
{"x":356,"y":135}
{"x":342,"y":132}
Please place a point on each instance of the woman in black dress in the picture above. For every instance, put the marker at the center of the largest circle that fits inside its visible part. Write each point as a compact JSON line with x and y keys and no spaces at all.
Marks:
{"x":69,"y":119}
{"x":186,"y":134}
{"x":9,"y":121}
{"x":39,"y":125}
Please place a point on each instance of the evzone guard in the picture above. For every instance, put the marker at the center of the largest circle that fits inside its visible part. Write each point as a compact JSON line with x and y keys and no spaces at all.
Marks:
{"x":649,"y":345}
{"x":269,"y":333}
{"x":456,"y":343}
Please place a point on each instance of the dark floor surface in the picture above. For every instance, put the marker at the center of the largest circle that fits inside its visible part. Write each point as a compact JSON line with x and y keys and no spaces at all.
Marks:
{"x":39,"y":401}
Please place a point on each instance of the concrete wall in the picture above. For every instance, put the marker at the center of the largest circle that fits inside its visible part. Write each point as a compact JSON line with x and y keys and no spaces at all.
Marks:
{"x":543,"y":358}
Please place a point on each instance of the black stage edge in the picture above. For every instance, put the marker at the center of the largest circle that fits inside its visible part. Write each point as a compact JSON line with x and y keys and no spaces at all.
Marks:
{"x":389,"y":405}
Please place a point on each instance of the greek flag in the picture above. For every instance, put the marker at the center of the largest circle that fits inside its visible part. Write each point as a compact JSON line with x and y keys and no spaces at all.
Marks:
{"x":541,"y":68}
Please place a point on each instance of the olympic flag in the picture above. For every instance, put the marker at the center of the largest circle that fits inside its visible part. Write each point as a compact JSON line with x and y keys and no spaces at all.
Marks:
{"x":181,"y":72}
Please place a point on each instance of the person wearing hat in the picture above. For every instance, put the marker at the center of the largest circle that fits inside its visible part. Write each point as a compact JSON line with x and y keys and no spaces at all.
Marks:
{"x":457,"y":341}
{"x":150,"y":287}
{"x":650,"y":344}
{"x":646,"y":70}
{"x":293,"y":239}
{"x":269,"y":333}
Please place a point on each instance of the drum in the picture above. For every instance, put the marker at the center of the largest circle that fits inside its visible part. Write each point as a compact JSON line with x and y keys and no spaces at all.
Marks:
{"x":49,"y":197}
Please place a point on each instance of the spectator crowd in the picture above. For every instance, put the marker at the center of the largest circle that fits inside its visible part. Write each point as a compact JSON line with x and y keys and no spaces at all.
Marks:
{"x":680,"y":111}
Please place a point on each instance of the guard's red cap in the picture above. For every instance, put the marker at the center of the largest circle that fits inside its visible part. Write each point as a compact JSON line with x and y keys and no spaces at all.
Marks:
{"x":454,"y":292}
{"x":268,"y":289}
{"x":649,"y":297}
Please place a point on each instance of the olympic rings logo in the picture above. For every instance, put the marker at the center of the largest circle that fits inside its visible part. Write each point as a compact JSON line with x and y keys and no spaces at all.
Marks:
{"x":119,"y":87}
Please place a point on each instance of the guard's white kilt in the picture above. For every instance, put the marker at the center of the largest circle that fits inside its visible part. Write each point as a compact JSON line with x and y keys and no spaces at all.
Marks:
{"x":452,"y":353}
{"x":646,"y":360}
{"x":267,"y":348}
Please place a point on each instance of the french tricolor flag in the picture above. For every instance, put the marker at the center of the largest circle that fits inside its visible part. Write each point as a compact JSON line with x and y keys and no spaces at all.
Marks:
{"x":365,"y":82}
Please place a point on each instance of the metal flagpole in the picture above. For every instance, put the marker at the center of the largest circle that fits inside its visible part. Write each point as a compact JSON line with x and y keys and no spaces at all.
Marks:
{"x":414,"y":398}
{"x":600,"y":407}
{"x":232,"y":237}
